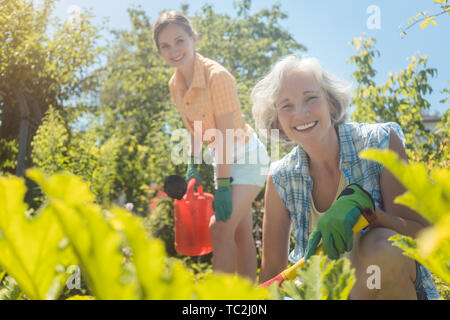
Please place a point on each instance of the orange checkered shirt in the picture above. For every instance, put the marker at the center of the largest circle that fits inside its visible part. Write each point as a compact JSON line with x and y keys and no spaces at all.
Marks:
{"x":213,"y":92}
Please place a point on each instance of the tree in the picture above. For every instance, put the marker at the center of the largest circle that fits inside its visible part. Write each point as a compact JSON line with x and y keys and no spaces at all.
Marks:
{"x":425,"y":18}
{"x":400,"y":99}
{"x":54,"y":151}
{"x":43,"y":63}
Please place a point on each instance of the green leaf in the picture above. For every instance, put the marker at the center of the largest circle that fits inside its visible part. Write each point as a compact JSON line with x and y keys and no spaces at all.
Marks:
{"x":407,"y":244}
{"x":322,"y":280}
{"x":94,"y":241}
{"x":435,"y":237}
{"x":159,"y":278}
{"x":437,"y":262}
{"x":150,"y":261}
{"x":228,"y":287}
{"x":429,"y":196}
{"x":424,"y":195}
{"x":338,"y":280}
{"x":10,"y":290}
{"x":311,"y":277}
{"x":78,"y":297}
{"x":424,"y":24}
{"x":29,"y":246}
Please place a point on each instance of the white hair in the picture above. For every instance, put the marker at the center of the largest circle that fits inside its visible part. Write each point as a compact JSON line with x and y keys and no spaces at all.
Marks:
{"x":267,"y":90}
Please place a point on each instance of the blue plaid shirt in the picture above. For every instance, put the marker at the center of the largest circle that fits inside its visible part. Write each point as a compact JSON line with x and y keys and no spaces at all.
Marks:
{"x":294,"y":184}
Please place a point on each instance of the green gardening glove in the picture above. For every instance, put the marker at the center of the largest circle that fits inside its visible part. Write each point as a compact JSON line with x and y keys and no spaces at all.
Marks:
{"x":335,"y":226}
{"x":192,"y":172}
{"x":222,"y":200}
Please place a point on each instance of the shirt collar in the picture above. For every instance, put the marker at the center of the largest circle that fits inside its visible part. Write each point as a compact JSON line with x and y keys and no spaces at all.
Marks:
{"x":198,"y":81}
{"x":349,"y":152}
{"x":302,"y":165}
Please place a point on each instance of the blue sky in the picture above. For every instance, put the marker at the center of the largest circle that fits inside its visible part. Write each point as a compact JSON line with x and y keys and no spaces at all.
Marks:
{"x":326,"y":27}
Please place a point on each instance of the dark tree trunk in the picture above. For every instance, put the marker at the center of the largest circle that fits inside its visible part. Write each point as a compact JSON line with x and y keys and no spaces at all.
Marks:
{"x":23,"y":131}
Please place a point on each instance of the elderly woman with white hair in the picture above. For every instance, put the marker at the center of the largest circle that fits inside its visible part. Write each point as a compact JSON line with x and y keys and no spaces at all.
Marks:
{"x":323,"y":173}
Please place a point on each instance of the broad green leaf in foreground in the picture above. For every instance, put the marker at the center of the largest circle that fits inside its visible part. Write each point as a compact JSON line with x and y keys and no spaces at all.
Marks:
{"x":429,"y":197}
{"x":30,"y":246}
{"x":95,"y":243}
{"x":438,"y":261}
{"x":78,"y":297}
{"x":219,"y":286}
{"x":10,"y":289}
{"x":322,"y":280}
{"x":338,"y":280}
{"x":156,"y":279}
{"x":162,"y":279}
{"x":437,"y":237}
{"x":310,"y":286}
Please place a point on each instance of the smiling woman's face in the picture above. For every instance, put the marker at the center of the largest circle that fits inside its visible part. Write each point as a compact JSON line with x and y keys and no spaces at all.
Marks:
{"x":304,"y":113}
{"x":176,"y":46}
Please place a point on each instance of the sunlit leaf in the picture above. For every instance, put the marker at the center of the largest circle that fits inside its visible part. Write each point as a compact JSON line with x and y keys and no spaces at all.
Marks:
{"x":424,"y":195}
{"x":30,"y":246}
{"x":94,"y":241}
{"x":228,"y":287}
{"x":322,"y":280}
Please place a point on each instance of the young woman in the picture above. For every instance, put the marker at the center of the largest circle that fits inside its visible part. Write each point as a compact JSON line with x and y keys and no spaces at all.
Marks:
{"x":309,"y":107}
{"x":205,"y":94}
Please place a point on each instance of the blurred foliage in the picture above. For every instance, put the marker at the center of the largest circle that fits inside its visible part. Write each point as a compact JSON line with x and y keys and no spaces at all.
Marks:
{"x":428,"y":195}
{"x":54,"y":149}
{"x":47,"y":60}
{"x":30,"y":245}
{"x":69,"y":229}
{"x":400,"y":99}
{"x":9,"y":289}
{"x":426,"y":18}
{"x":321,"y":280}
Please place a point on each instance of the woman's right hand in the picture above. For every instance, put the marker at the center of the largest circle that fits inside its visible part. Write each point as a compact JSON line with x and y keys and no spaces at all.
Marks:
{"x":193,"y":173}
{"x":222,"y":204}
{"x":334,"y":228}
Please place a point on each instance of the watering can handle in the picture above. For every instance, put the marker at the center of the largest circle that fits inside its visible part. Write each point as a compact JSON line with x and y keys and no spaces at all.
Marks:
{"x":190,"y":189}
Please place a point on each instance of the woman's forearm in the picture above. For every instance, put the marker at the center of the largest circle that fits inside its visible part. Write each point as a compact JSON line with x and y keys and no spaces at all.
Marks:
{"x":224,"y":167}
{"x":223,"y":170}
{"x":195,"y":147}
{"x":224,"y":160}
{"x":398,"y":224}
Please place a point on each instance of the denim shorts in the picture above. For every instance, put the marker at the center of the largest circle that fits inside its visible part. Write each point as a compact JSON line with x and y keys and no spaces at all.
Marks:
{"x":250,"y":163}
{"x":418,"y":284}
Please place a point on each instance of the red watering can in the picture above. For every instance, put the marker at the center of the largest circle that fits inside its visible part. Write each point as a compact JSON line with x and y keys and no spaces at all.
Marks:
{"x":192,"y":214}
